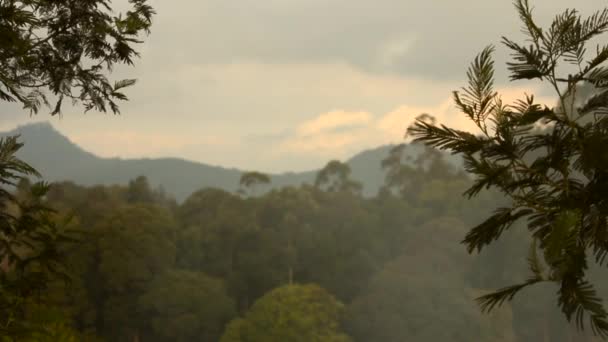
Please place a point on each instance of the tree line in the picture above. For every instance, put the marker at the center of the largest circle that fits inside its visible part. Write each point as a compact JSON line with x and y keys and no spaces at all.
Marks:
{"x":317,"y":262}
{"x":130,"y":264}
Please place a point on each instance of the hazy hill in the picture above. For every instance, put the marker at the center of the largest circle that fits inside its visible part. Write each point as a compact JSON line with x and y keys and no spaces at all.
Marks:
{"x":58,"y":159}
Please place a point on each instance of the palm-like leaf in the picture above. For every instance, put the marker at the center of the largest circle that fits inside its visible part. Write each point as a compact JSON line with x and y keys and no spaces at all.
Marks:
{"x":556,"y":177}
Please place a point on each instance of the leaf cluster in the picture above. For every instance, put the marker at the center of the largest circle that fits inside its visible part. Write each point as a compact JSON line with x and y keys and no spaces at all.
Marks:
{"x":335,"y":177}
{"x":30,"y":238}
{"x":551,"y":162}
{"x":67,"y":47}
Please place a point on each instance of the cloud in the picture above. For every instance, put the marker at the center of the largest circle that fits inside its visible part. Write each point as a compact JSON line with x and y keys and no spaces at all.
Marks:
{"x":339,"y":134}
{"x":270,"y":117}
{"x":253,"y":106}
{"x":281,"y":85}
{"x":375,"y":36}
{"x":333,"y":121}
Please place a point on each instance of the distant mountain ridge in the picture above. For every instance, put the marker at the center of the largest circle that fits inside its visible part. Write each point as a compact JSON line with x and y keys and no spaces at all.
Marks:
{"x":59,"y":159}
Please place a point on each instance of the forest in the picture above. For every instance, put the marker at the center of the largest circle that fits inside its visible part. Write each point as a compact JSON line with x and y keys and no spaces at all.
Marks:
{"x":510,"y":244}
{"x":317,"y":262}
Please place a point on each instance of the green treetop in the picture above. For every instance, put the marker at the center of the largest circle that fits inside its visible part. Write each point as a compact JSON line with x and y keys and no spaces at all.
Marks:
{"x":295,"y":313}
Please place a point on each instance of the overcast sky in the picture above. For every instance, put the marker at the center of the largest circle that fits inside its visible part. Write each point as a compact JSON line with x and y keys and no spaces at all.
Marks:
{"x":285,"y":85}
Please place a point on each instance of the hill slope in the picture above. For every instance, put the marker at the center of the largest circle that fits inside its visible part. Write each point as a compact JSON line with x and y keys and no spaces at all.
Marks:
{"x":59,"y":159}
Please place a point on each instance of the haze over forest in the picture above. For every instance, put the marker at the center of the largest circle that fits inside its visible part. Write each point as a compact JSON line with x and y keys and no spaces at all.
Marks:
{"x":281,"y":171}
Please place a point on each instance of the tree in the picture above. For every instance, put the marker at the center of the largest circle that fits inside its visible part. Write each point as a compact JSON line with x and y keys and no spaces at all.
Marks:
{"x":186,"y":306}
{"x":411,"y":169}
{"x":65,"y":47}
{"x":220,"y":236}
{"x":406,"y":302}
{"x":250,"y":180}
{"x":290,"y":313}
{"x":29,"y":240}
{"x":55,"y":327}
{"x":551,"y":163}
{"x":139,"y":191}
{"x":135,"y":244}
{"x":335,"y":176}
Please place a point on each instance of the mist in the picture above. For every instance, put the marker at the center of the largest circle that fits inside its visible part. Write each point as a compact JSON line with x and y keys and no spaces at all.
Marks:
{"x":301,"y":171}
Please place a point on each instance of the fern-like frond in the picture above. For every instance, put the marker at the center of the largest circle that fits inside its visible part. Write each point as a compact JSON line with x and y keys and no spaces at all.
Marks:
{"x":595,"y":25}
{"x":493,"y":227}
{"x":498,"y":298}
{"x":529,"y":62}
{"x":577,"y":298}
{"x":477,"y":100}
{"x":124,"y":83}
{"x":530,"y":28}
{"x":489,"y":174}
{"x":594,"y":72}
{"x":446,"y":138}
{"x":597,"y":104}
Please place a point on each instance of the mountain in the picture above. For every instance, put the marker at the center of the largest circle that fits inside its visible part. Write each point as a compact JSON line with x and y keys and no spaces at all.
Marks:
{"x":59,"y":159}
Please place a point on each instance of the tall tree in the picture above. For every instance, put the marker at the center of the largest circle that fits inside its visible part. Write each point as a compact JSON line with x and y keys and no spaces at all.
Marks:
{"x":556,"y":177}
{"x":335,"y":176}
{"x":251,"y":180}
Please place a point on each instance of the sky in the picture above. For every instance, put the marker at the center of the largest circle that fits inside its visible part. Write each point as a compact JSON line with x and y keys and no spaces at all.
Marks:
{"x":286,"y":85}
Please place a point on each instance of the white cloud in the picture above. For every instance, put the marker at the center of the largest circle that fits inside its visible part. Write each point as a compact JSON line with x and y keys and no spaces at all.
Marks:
{"x":319,"y":138}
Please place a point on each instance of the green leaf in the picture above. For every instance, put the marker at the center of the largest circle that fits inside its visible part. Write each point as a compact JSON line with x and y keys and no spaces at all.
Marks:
{"x":496,"y":299}
{"x":493,"y":227}
{"x":578,"y":297}
{"x":477,"y":100}
{"x":529,"y":62}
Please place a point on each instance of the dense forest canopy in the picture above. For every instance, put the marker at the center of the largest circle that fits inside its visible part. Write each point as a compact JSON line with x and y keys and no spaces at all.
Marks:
{"x":229,"y":267}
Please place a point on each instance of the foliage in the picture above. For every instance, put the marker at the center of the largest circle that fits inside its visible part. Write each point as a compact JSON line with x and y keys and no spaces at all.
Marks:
{"x":249,"y":180}
{"x":139,"y":191}
{"x":556,"y":176}
{"x":135,"y":243}
{"x":54,"y":326}
{"x":29,"y":238}
{"x":66,"y":47}
{"x":62,"y":49}
{"x":186,"y":306}
{"x":401,"y":304}
{"x":412,"y":177}
{"x":290,"y":313}
{"x":335,"y":176}
{"x":123,"y":273}
{"x":155,"y":272}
